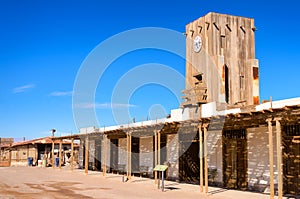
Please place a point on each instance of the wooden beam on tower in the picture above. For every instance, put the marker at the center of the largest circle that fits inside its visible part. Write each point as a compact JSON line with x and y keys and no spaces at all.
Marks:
{"x":279,"y":157}
{"x":86,"y":159}
{"x":271,"y":158}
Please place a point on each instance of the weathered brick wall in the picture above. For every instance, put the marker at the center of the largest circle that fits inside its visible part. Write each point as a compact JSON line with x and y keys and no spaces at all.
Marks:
{"x":258,"y":158}
{"x":146,"y":153}
{"x":105,"y":152}
{"x":122,"y":152}
{"x":214,"y":149}
{"x":20,"y":154}
{"x":91,"y":154}
{"x":173,"y":156}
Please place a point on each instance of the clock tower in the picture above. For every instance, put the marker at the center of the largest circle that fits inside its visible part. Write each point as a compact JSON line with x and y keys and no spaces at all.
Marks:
{"x":220,"y":62}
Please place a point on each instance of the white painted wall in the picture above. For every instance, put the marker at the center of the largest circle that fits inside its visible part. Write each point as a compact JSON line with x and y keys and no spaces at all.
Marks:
{"x":122,"y":151}
{"x":214,"y":149}
{"x":146,"y":152}
{"x":173,"y":155}
{"x":258,"y":157}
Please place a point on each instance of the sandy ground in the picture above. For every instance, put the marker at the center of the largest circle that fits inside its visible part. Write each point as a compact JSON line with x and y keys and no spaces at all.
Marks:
{"x":33,"y":182}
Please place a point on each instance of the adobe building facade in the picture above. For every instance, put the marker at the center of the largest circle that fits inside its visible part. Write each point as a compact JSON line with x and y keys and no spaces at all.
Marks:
{"x":221,"y":135}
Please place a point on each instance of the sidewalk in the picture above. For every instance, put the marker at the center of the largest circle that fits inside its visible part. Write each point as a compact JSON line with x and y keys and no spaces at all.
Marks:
{"x":33,"y":182}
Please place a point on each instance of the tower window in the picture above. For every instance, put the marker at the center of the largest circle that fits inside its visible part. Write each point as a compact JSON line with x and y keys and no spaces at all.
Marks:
{"x":242,"y":82}
{"x":222,"y":41}
{"x":226,"y":74}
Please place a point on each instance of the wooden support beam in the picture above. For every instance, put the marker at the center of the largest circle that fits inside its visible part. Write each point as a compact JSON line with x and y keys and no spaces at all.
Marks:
{"x":158,"y":147}
{"x":279,"y":157}
{"x":127,"y":155}
{"x":52,"y":154}
{"x":271,"y":158}
{"x":205,"y":160}
{"x":9,"y":157}
{"x":158,"y":155}
{"x":86,"y":158}
{"x":201,"y":157}
{"x":155,"y":155}
{"x":72,"y":154}
{"x":130,"y":156}
{"x":60,"y":153}
{"x":105,"y":155}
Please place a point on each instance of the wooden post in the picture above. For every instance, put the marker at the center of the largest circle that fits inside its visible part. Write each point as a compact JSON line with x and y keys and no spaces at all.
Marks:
{"x":60,"y":153}
{"x":279,"y":157}
{"x":127,"y":155}
{"x":205,"y":159}
{"x":155,"y":155}
{"x":271,"y":158}
{"x":52,"y":154}
{"x":158,"y":154}
{"x":201,"y":157}
{"x":130,"y":151}
{"x":86,"y":159}
{"x":105,"y":154}
{"x":9,"y":157}
{"x":158,"y":146}
{"x":72,"y":154}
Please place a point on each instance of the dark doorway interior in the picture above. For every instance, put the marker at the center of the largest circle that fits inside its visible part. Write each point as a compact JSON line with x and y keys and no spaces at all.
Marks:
{"x":98,"y":154}
{"x":189,"y":162}
{"x":114,"y":143}
{"x":235,"y":162}
{"x":135,"y":156}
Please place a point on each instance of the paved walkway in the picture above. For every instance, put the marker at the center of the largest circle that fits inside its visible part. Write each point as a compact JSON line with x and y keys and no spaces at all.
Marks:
{"x":34,"y":182}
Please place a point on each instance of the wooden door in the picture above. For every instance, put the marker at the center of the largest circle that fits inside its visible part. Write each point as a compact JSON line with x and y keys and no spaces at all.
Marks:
{"x":235,"y":162}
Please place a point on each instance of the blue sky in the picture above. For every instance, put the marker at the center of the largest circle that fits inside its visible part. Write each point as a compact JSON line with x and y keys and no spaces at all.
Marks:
{"x":43,"y":44}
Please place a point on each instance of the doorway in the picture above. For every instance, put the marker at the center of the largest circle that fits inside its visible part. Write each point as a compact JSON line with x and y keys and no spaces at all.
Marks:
{"x":235,"y":159}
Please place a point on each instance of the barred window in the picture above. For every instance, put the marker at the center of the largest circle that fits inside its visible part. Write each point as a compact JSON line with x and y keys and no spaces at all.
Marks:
{"x":292,"y":130}
{"x":235,"y":134}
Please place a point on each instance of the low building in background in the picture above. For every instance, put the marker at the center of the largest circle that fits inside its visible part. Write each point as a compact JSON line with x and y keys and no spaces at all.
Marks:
{"x":38,"y":150}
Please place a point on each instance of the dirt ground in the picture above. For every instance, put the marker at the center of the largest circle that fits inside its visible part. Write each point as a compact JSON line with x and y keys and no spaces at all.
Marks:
{"x":48,"y":183}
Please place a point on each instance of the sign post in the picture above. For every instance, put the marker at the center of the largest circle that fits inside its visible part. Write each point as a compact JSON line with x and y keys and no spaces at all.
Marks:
{"x":162,"y":169}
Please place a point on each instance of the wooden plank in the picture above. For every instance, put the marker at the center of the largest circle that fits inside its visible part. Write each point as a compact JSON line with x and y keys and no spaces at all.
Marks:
{"x":130,"y":158}
{"x":127,"y":156}
{"x":86,"y":159}
{"x":104,"y":154}
{"x":52,"y":154}
{"x":155,"y":155}
{"x":9,"y":157}
{"x":271,"y":158}
{"x":279,"y":158}
{"x":158,"y":146}
{"x":72,"y":154}
{"x":60,"y":153}
{"x":201,"y":158}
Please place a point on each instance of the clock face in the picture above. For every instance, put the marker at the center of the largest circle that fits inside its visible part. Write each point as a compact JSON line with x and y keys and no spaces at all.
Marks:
{"x":197,"y":45}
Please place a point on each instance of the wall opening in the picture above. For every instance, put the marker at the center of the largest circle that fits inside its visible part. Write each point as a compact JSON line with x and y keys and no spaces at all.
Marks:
{"x":226,"y":79}
{"x":235,"y":159}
